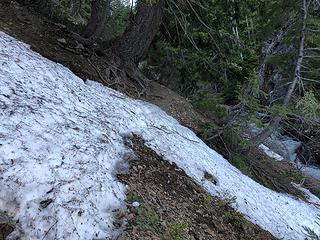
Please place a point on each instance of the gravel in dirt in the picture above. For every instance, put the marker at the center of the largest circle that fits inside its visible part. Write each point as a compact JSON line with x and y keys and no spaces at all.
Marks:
{"x":172,"y":206}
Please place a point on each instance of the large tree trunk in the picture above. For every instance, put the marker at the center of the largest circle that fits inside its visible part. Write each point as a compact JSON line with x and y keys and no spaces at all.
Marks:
{"x":127,"y":51}
{"x":100,"y":9}
{"x":274,"y":123}
{"x":141,"y":31}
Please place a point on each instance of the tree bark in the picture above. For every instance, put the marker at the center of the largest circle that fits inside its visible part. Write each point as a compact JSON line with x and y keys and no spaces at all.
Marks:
{"x":140,"y":32}
{"x":128,"y":51}
{"x":269,"y":48}
{"x":276,"y":119}
{"x":100,"y":11}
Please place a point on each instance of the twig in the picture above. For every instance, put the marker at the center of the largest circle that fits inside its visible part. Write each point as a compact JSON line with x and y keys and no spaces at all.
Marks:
{"x":97,"y":71}
{"x":50,"y":228}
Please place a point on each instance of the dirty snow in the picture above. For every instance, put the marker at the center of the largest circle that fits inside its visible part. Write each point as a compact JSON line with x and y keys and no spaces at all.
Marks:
{"x":270,"y":153}
{"x":309,"y":196}
{"x":312,"y":171}
{"x":61,"y":140}
{"x":284,"y":146}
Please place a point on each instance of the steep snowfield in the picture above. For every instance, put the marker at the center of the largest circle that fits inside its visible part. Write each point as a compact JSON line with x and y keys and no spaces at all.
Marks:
{"x":61,"y":139}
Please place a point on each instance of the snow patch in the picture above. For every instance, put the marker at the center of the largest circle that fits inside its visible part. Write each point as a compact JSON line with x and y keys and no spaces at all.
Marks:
{"x":270,"y":153}
{"x":309,"y":196}
{"x":61,"y":139}
{"x":311,"y":171}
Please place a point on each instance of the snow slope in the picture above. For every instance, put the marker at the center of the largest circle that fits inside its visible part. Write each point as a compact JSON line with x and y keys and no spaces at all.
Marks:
{"x":61,"y":139}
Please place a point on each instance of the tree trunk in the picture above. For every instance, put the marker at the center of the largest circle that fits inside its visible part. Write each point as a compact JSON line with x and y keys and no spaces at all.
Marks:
{"x":141,"y":31}
{"x":269,"y":48}
{"x":100,"y":11}
{"x":274,"y":123}
{"x":126,"y":52}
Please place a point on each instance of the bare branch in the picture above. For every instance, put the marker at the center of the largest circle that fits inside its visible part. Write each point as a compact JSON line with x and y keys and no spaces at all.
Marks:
{"x":310,"y":80}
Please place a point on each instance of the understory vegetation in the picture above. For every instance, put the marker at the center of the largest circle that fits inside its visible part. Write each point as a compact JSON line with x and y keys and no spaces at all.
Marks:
{"x":239,"y":62}
{"x":243,"y":64}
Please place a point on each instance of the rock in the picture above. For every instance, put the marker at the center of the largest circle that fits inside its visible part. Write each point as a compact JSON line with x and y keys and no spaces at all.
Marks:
{"x":62,"y":40}
{"x":135,"y":204}
{"x":80,"y":46}
{"x":46,"y":203}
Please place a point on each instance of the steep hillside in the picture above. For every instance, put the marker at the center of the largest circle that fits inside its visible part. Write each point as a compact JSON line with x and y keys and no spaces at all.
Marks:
{"x":63,"y":141}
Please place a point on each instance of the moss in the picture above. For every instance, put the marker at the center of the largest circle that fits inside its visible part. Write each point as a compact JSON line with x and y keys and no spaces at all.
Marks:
{"x":147,"y":219}
{"x":207,"y":201}
{"x":133,"y":197}
{"x":238,"y":219}
{"x":177,"y":231}
{"x":226,"y":202}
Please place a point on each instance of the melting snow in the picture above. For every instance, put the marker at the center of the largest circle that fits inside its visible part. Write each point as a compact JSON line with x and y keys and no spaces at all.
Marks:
{"x":61,"y":139}
{"x":270,"y":153}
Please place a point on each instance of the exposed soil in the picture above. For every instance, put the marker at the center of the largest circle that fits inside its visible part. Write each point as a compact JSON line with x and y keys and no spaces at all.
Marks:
{"x":172,"y":205}
{"x":6,"y":225}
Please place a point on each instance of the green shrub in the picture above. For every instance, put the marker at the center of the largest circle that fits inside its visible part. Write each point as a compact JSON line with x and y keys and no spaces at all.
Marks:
{"x":147,"y":220}
{"x":308,"y":106}
{"x":177,"y":231}
{"x":207,"y":130}
{"x":211,"y":102}
{"x":134,"y":197}
{"x":238,"y":219}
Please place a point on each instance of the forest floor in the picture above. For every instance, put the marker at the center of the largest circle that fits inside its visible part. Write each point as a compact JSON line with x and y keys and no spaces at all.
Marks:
{"x":183,"y":208}
{"x":172,"y":206}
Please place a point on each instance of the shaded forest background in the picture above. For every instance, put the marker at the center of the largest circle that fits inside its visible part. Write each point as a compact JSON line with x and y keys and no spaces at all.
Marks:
{"x":239,"y":62}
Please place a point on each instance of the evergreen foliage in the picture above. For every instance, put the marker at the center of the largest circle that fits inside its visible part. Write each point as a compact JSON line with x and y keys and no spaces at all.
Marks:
{"x":226,"y":53}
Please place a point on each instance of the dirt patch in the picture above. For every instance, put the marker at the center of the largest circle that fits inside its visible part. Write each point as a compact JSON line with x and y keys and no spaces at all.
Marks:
{"x":172,"y":206}
{"x":176,"y":106}
{"x":42,"y":35}
{"x":6,"y":226}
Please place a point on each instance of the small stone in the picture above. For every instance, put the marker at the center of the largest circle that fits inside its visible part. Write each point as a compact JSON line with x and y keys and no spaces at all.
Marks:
{"x":80,"y":46}
{"x":62,"y":40}
{"x":210,"y":178}
{"x":130,"y":217}
{"x":204,"y":226}
{"x":135,"y":204}
{"x":46,"y":203}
